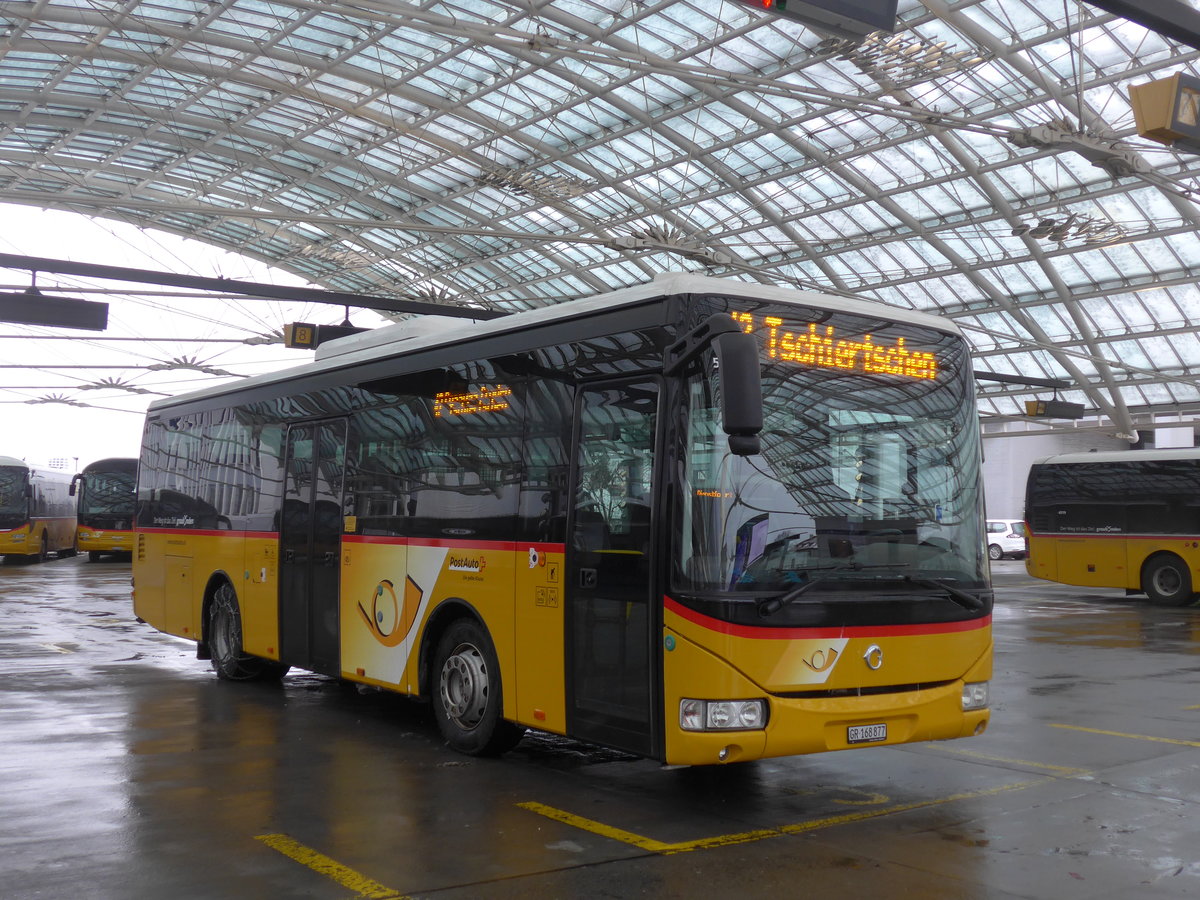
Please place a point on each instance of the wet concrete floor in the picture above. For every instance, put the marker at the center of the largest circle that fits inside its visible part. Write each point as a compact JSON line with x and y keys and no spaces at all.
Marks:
{"x":128,"y":771}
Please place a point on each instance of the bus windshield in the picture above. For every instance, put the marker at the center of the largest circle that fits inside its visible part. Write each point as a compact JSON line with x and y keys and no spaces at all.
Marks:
{"x":867,"y":484}
{"x":107,"y":493}
{"x":14,"y":506}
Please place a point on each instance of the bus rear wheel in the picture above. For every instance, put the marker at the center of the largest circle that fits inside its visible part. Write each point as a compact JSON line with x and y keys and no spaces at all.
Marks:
{"x":229,"y":660}
{"x":467,"y":699}
{"x":1167,"y":581}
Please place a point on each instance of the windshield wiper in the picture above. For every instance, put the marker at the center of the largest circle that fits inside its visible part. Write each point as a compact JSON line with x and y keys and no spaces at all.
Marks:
{"x":967,"y":601}
{"x":775,"y":604}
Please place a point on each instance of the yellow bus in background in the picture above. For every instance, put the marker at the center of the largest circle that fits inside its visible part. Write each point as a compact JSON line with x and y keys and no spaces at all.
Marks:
{"x":37,"y":516}
{"x":1117,"y":519}
{"x":698,"y":520}
{"x":104,"y":502}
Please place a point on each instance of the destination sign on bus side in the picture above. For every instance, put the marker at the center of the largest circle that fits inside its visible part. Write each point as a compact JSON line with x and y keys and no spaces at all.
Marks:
{"x":448,"y":403}
{"x":824,"y":349}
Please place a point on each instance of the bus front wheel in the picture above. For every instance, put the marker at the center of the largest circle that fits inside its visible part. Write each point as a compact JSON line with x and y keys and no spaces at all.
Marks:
{"x":467,"y":701}
{"x":1167,"y":581}
{"x":229,"y":660}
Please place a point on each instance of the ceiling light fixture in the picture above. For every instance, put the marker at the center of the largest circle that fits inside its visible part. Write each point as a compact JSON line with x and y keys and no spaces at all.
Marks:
{"x":1061,"y":226}
{"x":669,"y":239}
{"x":903,"y":58}
{"x":535,"y":185}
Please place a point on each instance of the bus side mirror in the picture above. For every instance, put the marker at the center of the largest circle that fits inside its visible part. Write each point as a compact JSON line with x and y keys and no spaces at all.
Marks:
{"x":741,"y":391}
{"x":739,"y":374}
{"x":74,"y":484}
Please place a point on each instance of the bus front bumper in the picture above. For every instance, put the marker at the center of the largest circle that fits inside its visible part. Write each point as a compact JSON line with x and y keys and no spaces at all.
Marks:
{"x":802,"y":725}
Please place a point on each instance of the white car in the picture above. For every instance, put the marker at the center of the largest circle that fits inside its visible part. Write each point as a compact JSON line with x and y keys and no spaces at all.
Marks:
{"x":1006,"y":538}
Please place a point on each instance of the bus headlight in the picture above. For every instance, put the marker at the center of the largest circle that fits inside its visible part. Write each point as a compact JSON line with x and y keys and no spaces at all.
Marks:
{"x":975,"y":695}
{"x":17,"y":538}
{"x":722,"y":715}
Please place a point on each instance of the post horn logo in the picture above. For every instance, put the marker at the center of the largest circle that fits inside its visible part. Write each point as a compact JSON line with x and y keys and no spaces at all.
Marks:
{"x":822,"y":660}
{"x":388,"y":619}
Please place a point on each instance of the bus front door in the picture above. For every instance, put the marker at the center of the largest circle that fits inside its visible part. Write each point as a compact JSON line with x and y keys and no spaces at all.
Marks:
{"x":310,"y":544}
{"x":611,"y":615}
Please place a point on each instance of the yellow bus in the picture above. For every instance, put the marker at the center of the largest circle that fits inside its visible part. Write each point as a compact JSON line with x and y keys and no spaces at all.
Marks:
{"x":697,"y":520}
{"x":104,"y":498}
{"x":37,"y":517}
{"x":1117,"y":519}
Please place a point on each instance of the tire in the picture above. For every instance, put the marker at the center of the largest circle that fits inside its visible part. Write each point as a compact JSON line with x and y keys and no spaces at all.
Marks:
{"x":93,"y":556}
{"x":468,"y":701}
{"x":994,"y":552}
{"x":1167,"y":581}
{"x":229,"y":660}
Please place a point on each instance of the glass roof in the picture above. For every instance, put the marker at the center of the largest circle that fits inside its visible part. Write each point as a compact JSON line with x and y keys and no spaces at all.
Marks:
{"x":980,"y":163}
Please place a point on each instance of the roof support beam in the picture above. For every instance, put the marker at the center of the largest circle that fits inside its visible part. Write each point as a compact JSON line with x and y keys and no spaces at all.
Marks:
{"x":247,"y":288}
{"x":1170,"y":18}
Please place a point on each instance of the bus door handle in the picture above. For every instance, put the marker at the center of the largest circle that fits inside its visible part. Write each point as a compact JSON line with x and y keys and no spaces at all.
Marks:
{"x":289,"y":555}
{"x":330,"y":558}
{"x":588,"y":578}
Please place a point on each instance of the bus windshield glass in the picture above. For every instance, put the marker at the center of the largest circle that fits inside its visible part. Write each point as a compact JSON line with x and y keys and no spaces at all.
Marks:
{"x":14,"y":505}
{"x":107,"y":493}
{"x":867,"y":483}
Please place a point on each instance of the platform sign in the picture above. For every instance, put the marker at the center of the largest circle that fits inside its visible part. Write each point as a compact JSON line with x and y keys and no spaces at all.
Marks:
{"x":32,"y":307}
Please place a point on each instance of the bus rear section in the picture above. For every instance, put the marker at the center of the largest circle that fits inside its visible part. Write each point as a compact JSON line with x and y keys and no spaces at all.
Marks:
{"x":37,"y":515}
{"x":1126,"y":520}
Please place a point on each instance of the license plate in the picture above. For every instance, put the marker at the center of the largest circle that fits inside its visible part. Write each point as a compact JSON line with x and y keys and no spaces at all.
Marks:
{"x":866,"y":734}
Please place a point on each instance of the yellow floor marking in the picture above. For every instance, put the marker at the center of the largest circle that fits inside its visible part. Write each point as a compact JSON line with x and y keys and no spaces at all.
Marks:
{"x":1192,"y":707}
{"x":1137,"y":737}
{"x":724,"y":840}
{"x":323,"y":865}
{"x":1066,"y":771}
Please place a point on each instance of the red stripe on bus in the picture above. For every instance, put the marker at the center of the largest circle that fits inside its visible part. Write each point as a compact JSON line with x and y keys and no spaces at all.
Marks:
{"x":374,"y":539}
{"x":429,"y":542}
{"x":1186,"y":538}
{"x":210,"y":532}
{"x":748,"y":631}
{"x":452,"y":543}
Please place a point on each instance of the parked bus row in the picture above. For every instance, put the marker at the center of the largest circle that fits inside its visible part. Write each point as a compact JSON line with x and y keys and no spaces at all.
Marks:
{"x":45,"y":511}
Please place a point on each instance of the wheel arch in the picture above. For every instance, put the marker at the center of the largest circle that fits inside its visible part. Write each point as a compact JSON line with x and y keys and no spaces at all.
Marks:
{"x":215,"y":580}
{"x":446,"y":614}
{"x":1162,"y":556}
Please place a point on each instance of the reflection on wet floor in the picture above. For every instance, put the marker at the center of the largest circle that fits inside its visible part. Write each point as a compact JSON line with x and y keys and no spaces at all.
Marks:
{"x":1056,"y":613}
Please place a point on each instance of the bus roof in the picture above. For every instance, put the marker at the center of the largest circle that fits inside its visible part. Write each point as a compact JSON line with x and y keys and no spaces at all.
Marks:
{"x":434,"y":331}
{"x":1110,"y":456}
{"x":112,"y":463}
